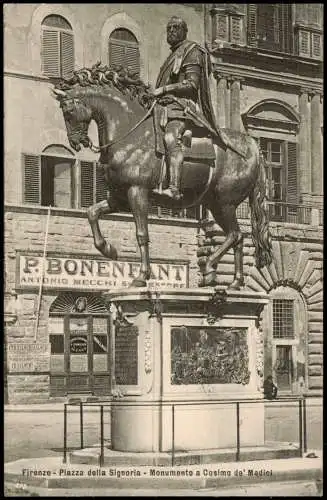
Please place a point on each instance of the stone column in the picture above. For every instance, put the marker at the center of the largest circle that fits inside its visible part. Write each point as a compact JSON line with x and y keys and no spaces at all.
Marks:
{"x":304,"y":152}
{"x":316,"y":139}
{"x":235,"y":104}
{"x":227,"y":103}
{"x":222,"y":94}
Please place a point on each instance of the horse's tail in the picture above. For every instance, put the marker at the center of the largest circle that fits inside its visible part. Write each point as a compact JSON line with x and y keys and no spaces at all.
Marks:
{"x":259,"y":218}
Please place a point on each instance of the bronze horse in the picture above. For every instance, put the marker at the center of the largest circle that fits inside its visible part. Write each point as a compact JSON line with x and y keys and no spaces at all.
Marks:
{"x":121,"y":105}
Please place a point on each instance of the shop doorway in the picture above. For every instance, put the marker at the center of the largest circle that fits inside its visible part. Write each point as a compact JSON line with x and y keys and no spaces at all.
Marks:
{"x":80,"y":346}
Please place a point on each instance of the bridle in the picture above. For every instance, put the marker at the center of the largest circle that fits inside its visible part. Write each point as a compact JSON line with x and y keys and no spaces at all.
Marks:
{"x":97,"y":149}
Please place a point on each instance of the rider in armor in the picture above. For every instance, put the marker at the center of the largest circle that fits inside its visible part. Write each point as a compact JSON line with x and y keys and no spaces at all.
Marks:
{"x":182,"y":84}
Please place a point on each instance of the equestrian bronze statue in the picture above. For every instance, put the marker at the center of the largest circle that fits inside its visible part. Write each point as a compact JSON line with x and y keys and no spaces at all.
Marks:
{"x":163,"y":146}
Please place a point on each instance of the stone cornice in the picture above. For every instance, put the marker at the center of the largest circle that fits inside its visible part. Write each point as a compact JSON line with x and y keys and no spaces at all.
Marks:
{"x":26,"y":76}
{"x":246,"y":75}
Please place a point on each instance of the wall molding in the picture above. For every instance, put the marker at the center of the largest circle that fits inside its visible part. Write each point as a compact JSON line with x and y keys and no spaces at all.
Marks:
{"x":248,"y":75}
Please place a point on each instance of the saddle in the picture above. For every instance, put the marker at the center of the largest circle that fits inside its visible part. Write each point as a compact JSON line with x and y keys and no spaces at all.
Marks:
{"x":201,"y":145}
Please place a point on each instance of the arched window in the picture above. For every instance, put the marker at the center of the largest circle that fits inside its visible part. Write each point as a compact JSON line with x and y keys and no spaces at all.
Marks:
{"x":275,"y":124}
{"x":124,"y":50}
{"x":48,"y":178}
{"x":56,"y":178}
{"x":57,"y":47}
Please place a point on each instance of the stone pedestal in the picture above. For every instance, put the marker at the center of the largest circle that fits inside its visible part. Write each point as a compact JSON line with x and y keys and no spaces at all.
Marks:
{"x":176,"y":352}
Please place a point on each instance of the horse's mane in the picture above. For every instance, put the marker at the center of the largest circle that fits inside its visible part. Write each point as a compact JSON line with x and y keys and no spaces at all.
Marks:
{"x":124,"y":80}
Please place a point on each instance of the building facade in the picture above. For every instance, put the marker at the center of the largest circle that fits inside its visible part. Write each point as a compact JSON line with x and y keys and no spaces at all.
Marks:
{"x":267,"y":81}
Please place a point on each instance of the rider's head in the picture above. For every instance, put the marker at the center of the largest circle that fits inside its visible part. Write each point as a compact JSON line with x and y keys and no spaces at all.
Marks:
{"x":176,"y":30}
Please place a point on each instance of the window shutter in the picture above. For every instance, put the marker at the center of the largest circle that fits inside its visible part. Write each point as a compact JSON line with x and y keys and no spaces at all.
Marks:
{"x":222,"y":27}
{"x":285,"y":23}
{"x":116,"y":54}
{"x":292,"y":178}
{"x":50,"y":53}
{"x":67,"y":54}
{"x":236,"y":29}
{"x":32,"y":179}
{"x":100,"y":184}
{"x":132,"y":59}
{"x":252,"y":25}
{"x":87,"y":184}
{"x":304,"y":43}
{"x":316,"y":45}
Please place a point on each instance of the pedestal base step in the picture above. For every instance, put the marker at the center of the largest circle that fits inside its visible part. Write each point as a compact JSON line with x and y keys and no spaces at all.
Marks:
{"x":126,"y":459}
{"x":51,"y":472}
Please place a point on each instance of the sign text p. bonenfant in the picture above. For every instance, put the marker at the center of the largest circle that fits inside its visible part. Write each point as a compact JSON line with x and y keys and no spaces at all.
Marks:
{"x":93,"y":274}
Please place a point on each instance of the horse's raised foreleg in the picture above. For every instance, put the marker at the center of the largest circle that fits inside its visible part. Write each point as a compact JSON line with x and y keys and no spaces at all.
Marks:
{"x":93,"y":214}
{"x":138,"y":198}
{"x":225,"y":216}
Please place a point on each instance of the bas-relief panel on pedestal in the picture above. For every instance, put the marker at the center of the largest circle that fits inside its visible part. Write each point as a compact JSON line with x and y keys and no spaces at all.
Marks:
{"x":214,"y":355}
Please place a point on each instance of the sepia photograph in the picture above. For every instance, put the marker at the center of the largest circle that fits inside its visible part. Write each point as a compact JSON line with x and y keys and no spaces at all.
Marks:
{"x":163,"y":249}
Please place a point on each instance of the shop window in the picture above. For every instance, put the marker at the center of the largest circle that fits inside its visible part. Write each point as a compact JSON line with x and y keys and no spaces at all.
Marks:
{"x":124,"y":50}
{"x":79,"y":339}
{"x":269,"y":26}
{"x":57,"y":53}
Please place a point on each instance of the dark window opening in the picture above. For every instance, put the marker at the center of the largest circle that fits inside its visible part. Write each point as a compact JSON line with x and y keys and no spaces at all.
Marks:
{"x":56,"y":182}
{"x":284,"y":367}
{"x":270,"y":26}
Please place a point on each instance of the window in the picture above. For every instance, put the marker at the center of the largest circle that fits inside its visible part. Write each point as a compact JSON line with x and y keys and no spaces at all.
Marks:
{"x":283,"y":319}
{"x":227,"y":25}
{"x":57,"y":53}
{"x":269,"y":26}
{"x":124,"y":50}
{"x":285,"y":326}
{"x":309,"y":42}
{"x":281,"y":174}
{"x":92,"y":185}
{"x":53,"y":179}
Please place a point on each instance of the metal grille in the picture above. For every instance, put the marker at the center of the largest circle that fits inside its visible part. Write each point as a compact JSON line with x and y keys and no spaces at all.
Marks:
{"x":283,"y":319}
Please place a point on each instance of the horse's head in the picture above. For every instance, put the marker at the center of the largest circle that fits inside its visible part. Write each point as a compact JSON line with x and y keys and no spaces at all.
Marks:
{"x":77,"y":115}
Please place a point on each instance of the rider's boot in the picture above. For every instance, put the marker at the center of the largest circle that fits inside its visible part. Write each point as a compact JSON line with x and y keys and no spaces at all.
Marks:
{"x":175,"y":164}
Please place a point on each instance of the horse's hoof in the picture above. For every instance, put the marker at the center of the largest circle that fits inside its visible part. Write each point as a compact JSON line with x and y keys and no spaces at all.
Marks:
{"x":236,"y":285}
{"x":209,"y":279}
{"x":138,"y":282}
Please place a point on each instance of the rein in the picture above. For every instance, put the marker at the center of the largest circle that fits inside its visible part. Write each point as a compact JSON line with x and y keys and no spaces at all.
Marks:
{"x":97,"y":149}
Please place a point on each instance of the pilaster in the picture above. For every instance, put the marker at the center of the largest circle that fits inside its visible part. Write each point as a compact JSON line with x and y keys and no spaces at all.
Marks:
{"x":304,"y":151}
{"x":235,"y":103}
{"x":316,"y":146}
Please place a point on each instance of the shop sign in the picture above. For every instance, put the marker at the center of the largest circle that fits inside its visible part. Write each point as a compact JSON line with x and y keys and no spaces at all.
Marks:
{"x":93,"y":274}
{"x":78,"y":345}
{"x":24,"y":357}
